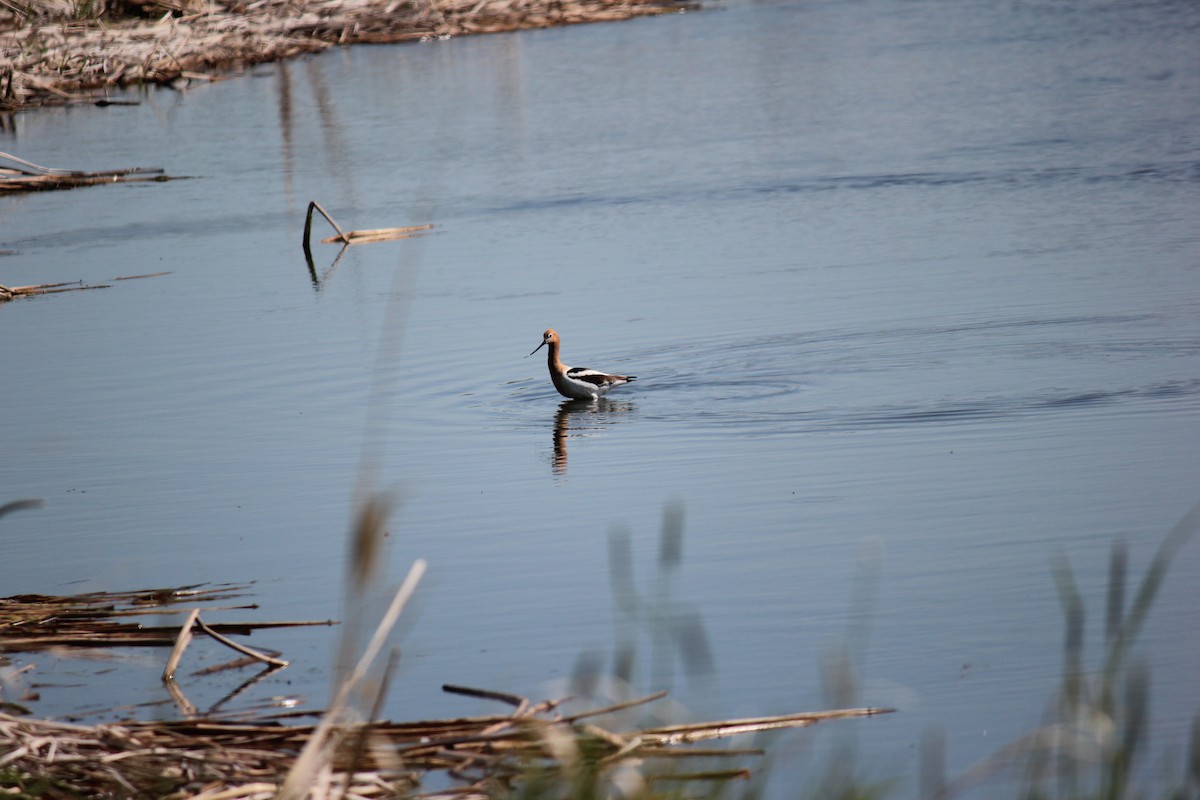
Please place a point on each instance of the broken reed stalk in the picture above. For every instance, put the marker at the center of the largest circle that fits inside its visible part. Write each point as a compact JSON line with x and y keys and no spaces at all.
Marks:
{"x":181,"y":643}
{"x":313,"y":204}
{"x":379,"y":235}
{"x":356,"y":237}
{"x":241,"y":648}
{"x":322,"y":746}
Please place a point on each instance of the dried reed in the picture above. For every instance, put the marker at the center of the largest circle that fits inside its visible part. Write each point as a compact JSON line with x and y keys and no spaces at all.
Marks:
{"x":34,"y":622}
{"x":13,"y":292}
{"x":356,"y":237}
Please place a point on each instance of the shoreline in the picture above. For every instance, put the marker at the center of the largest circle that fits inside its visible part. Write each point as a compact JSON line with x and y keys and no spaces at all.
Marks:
{"x":53,"y":55}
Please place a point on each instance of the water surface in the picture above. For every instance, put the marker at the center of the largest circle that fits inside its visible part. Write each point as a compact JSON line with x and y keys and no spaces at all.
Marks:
{"x":910,"y":289}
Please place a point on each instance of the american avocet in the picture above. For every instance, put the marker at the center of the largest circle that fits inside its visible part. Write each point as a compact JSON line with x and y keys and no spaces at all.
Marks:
{"x":579,"y":383}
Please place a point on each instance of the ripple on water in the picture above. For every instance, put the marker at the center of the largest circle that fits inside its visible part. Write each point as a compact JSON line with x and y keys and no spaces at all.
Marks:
{"x":979,"y":372}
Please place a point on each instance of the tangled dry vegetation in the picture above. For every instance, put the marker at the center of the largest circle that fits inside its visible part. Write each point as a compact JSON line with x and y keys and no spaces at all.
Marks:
{"x":63,"y":51}
{"x":340,"y":752}
{"x":482,"y":756}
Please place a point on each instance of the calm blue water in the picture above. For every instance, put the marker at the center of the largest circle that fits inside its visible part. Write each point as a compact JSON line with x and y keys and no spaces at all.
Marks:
{"x":911,"y":290}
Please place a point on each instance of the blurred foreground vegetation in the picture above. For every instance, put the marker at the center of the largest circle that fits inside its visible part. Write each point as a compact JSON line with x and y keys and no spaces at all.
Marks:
{"x":1094,"y":743}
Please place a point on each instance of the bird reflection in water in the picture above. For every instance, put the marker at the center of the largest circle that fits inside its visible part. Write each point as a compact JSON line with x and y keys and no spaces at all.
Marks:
{"x":579,"y":419}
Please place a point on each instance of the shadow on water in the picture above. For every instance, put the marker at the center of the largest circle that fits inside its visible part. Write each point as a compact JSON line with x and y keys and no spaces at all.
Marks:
{"x":318,"y":281}
{"x":580,"y":419}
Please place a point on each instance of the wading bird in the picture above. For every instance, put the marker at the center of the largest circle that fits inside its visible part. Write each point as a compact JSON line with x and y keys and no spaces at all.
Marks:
{"x":579,"y":383}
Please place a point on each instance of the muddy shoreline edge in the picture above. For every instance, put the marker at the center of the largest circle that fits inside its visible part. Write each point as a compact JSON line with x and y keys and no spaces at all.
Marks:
{"x":59,"y":53}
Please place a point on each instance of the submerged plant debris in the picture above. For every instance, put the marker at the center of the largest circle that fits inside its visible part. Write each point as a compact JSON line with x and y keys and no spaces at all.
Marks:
{"x":14,"y":292}
{"x":19,"y":175}
{"x":67,"y":51}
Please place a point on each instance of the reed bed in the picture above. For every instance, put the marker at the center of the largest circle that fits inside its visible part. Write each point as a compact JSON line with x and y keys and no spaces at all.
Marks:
{"x":344,"y":754}
{"x":33,"y":622}
{"x":57,"y":52}
{"x":1087,"y":748}
{"x":483,"y":756}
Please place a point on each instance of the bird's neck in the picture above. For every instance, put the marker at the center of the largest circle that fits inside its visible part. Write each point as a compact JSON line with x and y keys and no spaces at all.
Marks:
{"x":552,"y":358}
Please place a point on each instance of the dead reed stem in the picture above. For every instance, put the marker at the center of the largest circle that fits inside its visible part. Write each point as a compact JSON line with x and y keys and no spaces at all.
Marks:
{"x":355,"y":237}
{"x":241,"y":648}
{"x":13,"y":292}
{"x":181,"y":643}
